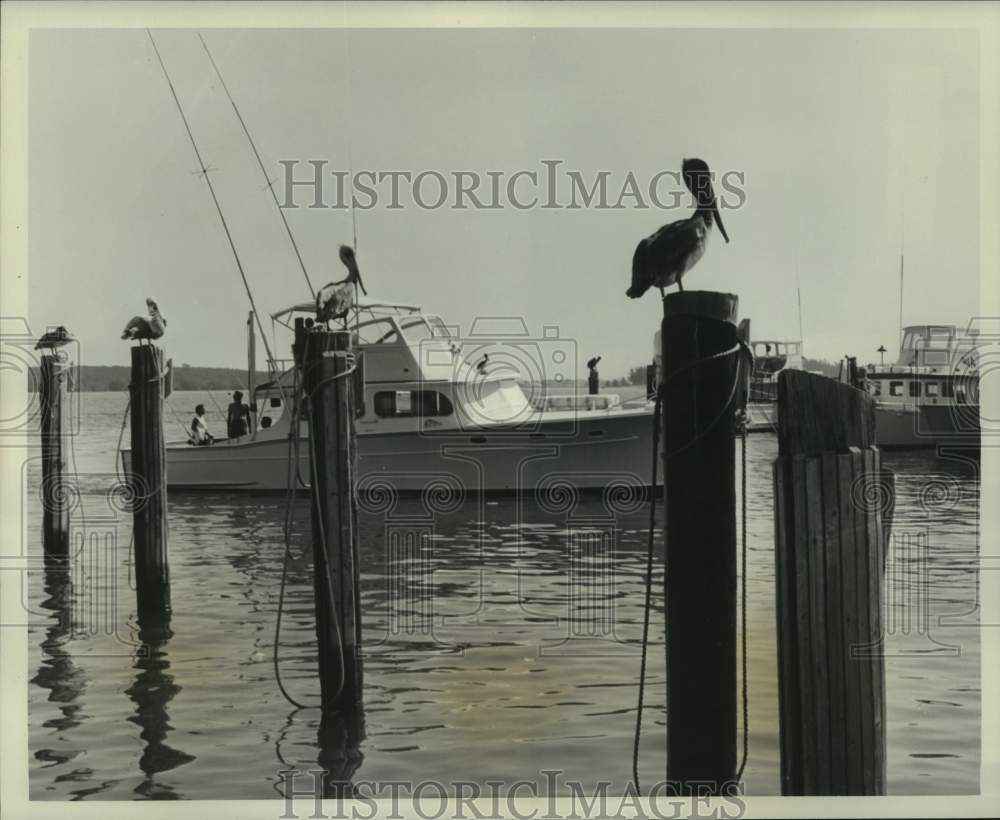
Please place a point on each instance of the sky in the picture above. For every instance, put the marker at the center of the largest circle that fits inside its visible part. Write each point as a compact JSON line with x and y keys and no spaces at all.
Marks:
{"x":854,"y":145}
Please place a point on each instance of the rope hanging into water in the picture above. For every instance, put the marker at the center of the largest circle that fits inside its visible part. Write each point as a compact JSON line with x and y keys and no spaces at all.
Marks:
{"x":263,"y":170}
{"x":218,"y":207}
{"x":657,"y":411}
{"x":649,"y":585}
{"x":743,"y":600}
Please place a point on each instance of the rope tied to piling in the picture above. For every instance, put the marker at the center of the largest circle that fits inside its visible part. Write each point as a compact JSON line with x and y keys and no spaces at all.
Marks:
{"x":293,"y":468}
{"x":746,"y":359}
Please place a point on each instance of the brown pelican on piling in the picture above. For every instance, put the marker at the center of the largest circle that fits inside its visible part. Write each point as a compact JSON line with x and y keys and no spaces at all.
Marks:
{"x":139,"y":327}
{"x":336,"y":298}
{"x":54,"y":338}
{"x":663,"y":258}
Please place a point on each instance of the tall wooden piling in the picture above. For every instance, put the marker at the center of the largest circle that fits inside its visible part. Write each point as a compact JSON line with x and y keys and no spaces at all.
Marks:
{"x":328,"y":361}
{"x":700,"y":368}
{"x":830,"y":498}
{"x":55,"y":498}
{"x":149,"y":484}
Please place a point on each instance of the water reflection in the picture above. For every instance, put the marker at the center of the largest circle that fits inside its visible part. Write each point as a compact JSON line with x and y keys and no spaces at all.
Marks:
{"x":57,"y":671}
{"x":458,"y":621}
{"x":339,"y":738}
{"x":151,"y":692}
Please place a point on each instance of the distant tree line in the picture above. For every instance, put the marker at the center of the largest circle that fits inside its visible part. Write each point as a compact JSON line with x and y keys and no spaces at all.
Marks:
{"x":637,"y":375}
{"x":99,"y":378}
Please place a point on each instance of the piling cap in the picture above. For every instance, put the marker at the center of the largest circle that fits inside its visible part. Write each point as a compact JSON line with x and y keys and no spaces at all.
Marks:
{"x":706,"y":303}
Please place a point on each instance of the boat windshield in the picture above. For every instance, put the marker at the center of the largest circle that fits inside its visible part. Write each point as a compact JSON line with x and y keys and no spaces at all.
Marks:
{"x":419,"y":328}
{"x":416,"y":330}
{"x":379,"y":331}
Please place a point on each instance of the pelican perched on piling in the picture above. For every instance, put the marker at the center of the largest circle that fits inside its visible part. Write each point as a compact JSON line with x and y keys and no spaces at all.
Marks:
{"x":52,"y":339}
{"x":336,"y":298}
{"x":139,"y":327}
{"x":663,"y":258}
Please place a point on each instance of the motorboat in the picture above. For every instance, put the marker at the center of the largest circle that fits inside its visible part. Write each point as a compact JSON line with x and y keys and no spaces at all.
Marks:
{"x":930,"y":395}
{"x":471,"y":414}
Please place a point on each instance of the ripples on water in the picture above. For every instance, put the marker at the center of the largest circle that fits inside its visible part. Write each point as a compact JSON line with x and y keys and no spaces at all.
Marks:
{"x":504,"y":645}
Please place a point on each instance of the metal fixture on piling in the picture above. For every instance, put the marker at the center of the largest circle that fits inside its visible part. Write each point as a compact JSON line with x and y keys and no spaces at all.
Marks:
{"x":700,"y":365}
{"x":328,"y":361}
{"x":831,"y":499}
{"x":149,"y":484}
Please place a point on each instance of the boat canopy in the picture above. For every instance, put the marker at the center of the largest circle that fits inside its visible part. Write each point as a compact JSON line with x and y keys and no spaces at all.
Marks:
{"x":363,"y":303}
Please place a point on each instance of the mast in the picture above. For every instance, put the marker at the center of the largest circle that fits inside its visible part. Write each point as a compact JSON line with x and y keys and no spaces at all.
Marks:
{"x":263,"y":170}
{"x":799,"y":297}
{"x":901,"y":301}
{"x":204,"y":172}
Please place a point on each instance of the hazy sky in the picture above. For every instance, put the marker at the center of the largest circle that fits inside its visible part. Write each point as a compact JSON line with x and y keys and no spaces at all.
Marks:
{"x":848,"y":140}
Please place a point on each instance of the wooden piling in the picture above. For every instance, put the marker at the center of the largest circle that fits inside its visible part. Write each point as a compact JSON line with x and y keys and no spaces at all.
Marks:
{"x":55,"y":498}
{"x":149,"y":484}
{"x":328,"y":362}
{"x":830,"y":497}
{"x":700,"y":364}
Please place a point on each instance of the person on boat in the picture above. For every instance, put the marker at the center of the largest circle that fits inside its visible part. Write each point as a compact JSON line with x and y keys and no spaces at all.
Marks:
{"x":593,"y":380}
{"x":237,"y":416}
{"x":199,"y":429}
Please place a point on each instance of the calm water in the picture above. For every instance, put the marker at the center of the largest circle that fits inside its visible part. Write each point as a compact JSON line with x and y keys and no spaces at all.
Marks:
{"x":507,"y":646}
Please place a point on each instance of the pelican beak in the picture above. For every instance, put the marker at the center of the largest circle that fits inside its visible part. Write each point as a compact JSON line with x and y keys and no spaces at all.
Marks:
{"x":718,"y":221}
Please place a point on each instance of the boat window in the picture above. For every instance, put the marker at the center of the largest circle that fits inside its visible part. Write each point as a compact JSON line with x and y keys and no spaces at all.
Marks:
{"x":947,"y":390}
{"x":406,"y":403}
{"x":895,"y":388}
{"x":932,"y":389}
{"x":275,"y":402}
{"x":914,"y":388}
{"x":875,"y":388}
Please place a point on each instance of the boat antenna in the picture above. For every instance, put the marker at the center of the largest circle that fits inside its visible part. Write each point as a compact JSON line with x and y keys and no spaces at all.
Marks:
{"x":798,"y":295}
{"x":901,"y":298}
{"x":902,"y":246}
{"x":208,"y":181}
{"x":260,"y":162}
{"x":348,"y":74}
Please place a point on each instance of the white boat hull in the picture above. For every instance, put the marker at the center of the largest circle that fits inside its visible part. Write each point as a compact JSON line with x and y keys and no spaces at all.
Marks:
{"x":587,"y":451}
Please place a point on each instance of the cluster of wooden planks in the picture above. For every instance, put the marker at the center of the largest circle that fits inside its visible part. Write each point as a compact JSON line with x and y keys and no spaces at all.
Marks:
{"x":833,"y":502}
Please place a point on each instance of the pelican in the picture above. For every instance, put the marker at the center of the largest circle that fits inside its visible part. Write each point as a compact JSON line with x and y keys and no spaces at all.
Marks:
{"x":335,"y":299}
{"x":54,"y":338}
{"x":139,"y":327}
{"x":663,"y":258}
